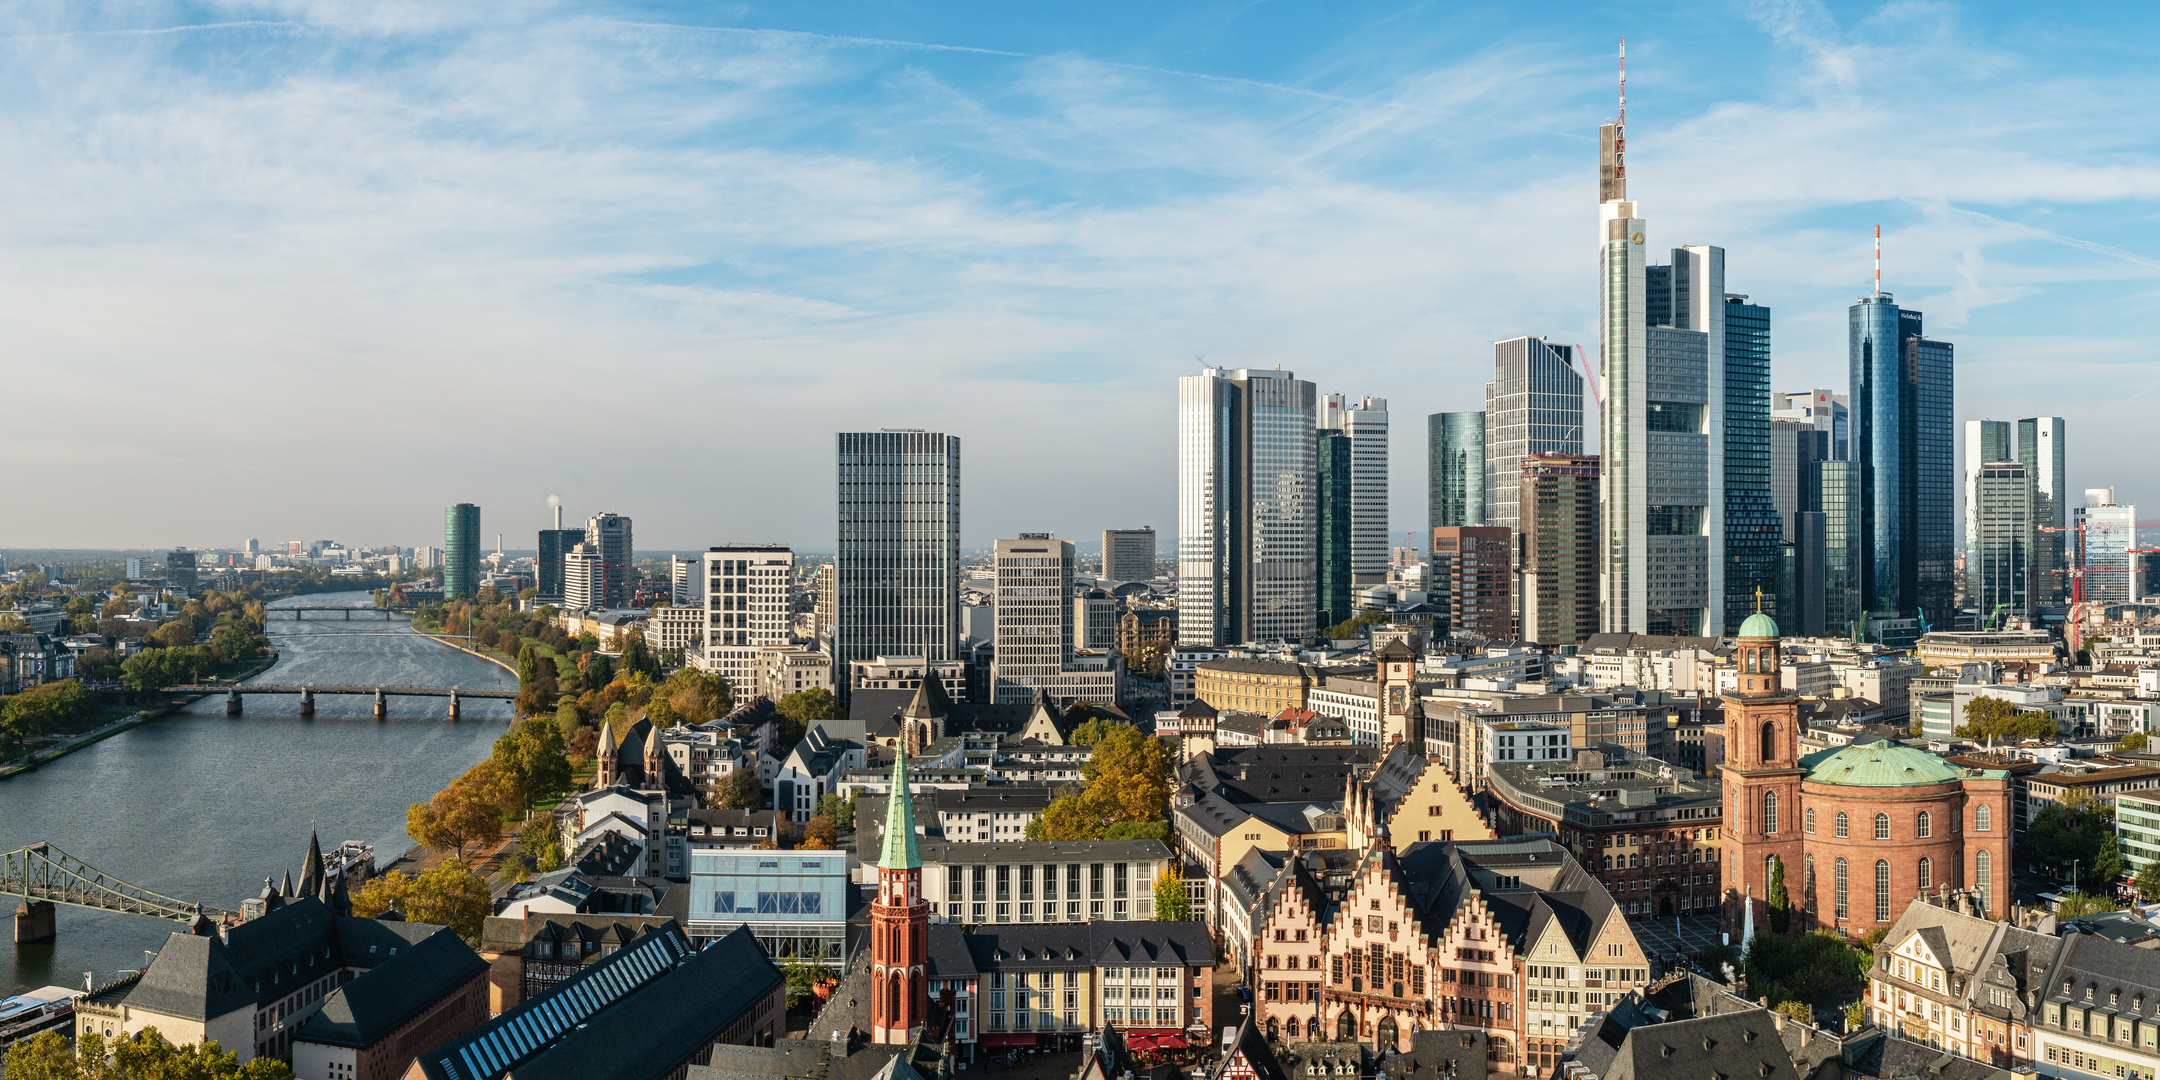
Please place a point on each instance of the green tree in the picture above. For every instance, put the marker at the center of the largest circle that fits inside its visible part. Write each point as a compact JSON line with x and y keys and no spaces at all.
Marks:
{"x":2078,"y":834}
{"x":2148,"y":884}
{"x":541,"y":841}
{"x":694,"y":697}
{"x":2080,"y":903}
{"x":839,"y":811}
{"x":1797,"y":1010}
{"x":741,"y":791}
{"x":467,"y":812}
{"x":803,"y":977}
{"x":38,"y":710}
{"x":528,"y":665}
{"x":535,"y":760}
{"x":567,"y":717}
{"x":1855,"y":1014}
{"x":801,"y":709}
{"x":1994,"y":718}
{"x":2133,"y":741}
{"x":175,"y":633}
{"x":1171,"y":902}
{"x":636,"y":657}
{"x":820,"y":835}
{"x":1092,"y":730}
{"x":1780,"y":903}
{"x":147,"y":1056}
{"x":1138,"y":830}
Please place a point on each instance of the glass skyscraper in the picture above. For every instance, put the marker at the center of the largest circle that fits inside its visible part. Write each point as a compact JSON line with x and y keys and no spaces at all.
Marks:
{"x":896,"y":568}
{"x":1533,"y":405}
{"x":1455,"y":469}
{"x":1754,"y":532}
{"x":553,"y":549}
{"x":2040,"y":450}
{"x":1982,"y":443}
{"x":1335,"y":453}
{"x":1904,"y":442}
{"x":1365,"y":421}
{"x":461,"y":552}
{"x":2110,"y":533}
{"x":1247,"y":522}
{"x":1998,"y":568}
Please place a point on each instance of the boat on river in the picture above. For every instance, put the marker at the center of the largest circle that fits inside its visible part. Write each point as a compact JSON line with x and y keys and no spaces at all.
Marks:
{"x":353,"y":861}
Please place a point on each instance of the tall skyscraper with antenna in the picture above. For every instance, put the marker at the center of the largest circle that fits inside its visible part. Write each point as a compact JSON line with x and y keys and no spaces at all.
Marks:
{"x":1661,"y":350}
{"x":1905,"y":449}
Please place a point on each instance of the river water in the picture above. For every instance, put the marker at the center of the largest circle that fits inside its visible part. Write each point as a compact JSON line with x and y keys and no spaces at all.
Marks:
{"x":202,"y":806}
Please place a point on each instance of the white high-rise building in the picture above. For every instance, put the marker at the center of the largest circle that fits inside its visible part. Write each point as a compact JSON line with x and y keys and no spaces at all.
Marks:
{"x":1981,"y":444}
{"x":748,"y":589}
{"x":2110,"y":533}
{"x":1366,"y":422}
{"x":2040,"y":448}
{"x":1662,"y":530}
{"x":1036,"y":650}
{"x":585,"y":579}
{"x":609,"y":535}
{"x":1247,"y":507}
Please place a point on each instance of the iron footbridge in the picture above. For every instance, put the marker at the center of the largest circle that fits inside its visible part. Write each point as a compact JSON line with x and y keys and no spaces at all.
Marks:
{"x":44,"y":874}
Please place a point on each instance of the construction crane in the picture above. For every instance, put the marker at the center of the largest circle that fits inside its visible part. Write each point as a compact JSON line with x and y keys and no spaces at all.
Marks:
{"x":2080,"y":566}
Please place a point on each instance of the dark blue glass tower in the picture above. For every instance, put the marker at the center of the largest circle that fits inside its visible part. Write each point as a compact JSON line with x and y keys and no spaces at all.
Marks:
{"x":1904,"y":447}
{"x":1754,"y":541}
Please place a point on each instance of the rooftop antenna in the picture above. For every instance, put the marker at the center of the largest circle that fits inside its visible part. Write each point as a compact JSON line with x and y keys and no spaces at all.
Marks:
{"x":1878,"y":260}
{"x":1620,"y":128}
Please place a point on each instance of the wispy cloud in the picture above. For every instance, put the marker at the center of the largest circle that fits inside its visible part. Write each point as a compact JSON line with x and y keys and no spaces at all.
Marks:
{"x":595,"y":252}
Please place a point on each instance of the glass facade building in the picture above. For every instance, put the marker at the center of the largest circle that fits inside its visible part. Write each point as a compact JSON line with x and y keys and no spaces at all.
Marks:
{"x":1754,"y":532}
{"x":794,"y":902}
{"x":2040,"y":450}
{"x":1559,"y":548}
{"x":1248,"y":526}
{"x":1837,"y":491}
{"x":1335,"y":453}
{"x":552,"y":549}
{"x":2110,"y":533}
{"x":896,"y":566}
{"x":1533,"y":405}
{"x":1998,"y":570}
{"x":1455,"y":469}
{"x":1983,"y":443}
{"x":461,"y":552}
{"x":1904,"y":441}
{"x":1365,"y":421}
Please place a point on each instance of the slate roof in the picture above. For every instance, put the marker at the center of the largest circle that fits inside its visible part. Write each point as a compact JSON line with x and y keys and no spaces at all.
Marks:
{"x":259,"y":961}
{"x":1253,"y":1048}
{"x":1551,"y":887}
{"x":639,"y":1013}
{"x":501,"y":935}
{"x":379,"y":1002}
{"x":808,"y":1059}
{"x":1064,"y":945}
{"x":1744,"y":1046}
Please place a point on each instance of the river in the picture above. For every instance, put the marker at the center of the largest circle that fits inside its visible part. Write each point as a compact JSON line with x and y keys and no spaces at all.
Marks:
{"x":202,"y":806}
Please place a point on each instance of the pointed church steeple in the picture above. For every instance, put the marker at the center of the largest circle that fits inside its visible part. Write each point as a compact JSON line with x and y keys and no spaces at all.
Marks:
{"x":311,"y":868}
{"x":900,"y":852}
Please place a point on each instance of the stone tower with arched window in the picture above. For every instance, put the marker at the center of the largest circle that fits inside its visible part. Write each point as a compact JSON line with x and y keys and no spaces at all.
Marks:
{"x":1762,"y":778}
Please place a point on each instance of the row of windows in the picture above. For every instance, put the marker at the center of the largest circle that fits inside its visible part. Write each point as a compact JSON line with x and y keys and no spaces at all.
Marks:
{"x":1923,"y":822}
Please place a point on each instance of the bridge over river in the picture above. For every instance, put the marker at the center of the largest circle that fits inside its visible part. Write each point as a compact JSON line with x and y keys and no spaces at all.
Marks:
{"x":236,"y":692}
{"x":44,"y":876}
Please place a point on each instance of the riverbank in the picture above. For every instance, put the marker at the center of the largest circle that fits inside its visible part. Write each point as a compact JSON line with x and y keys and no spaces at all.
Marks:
{"x":48,"y":755}
{"x":452,"y":642}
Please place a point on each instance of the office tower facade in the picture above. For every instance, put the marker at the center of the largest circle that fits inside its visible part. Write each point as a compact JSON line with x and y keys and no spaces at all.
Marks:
{"x":461,"y":551}
{"x":1838,"y":491}
{"x":1904,"y":442}
{"x":1365,"y":421}
{"x":1661,"y":556}
{"x":896,"y":568}
{"x":180,"y":570}
{"x":1998,"y":566}
{"x":2110,"y":533}
{"x":1039,"y":639}
{"x":1755,"y":537}
{"x":1454,"y":469}
{"x":1333,"y":498}
{"x":686,"y":580}
{"x":550,"y":555}
{"x":1473,"y":574}
{"x":254,"y":548}
{"x":1533,"y":405}
{"x":747,"y":608}
{"x":2040,"y":450}
{"x":609,"y":534}
{"x":1247,"y":522}
{"x":1559,"y":508}
{"x":1129,"y":554}
{"x":1980,"y":444}
{"x":585,"y":578}
{"x":1034,"y":615}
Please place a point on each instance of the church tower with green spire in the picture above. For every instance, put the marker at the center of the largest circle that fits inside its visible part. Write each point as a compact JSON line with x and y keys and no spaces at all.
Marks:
{"x":899,"y":923}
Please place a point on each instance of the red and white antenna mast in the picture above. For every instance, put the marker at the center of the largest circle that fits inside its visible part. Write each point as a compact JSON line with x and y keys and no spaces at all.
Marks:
{"x":1878,"y":260}
{"x":1620,"y":128}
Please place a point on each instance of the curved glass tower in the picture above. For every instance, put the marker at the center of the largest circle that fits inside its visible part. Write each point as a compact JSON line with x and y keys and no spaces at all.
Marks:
{"x":1455,"y":464}
{"x":461,"y":552}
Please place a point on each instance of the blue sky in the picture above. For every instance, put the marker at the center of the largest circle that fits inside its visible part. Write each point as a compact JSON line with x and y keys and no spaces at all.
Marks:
{"x":359,"y":260}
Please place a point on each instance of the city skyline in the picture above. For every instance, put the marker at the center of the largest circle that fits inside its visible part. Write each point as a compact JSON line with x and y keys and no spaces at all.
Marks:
{"x":1465,"y":132}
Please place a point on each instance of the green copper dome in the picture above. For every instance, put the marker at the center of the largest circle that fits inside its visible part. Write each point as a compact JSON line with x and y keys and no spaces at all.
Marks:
{"x":1879,"y":764}
{"x":1759,"y":625}
{"x":900,"y":852}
